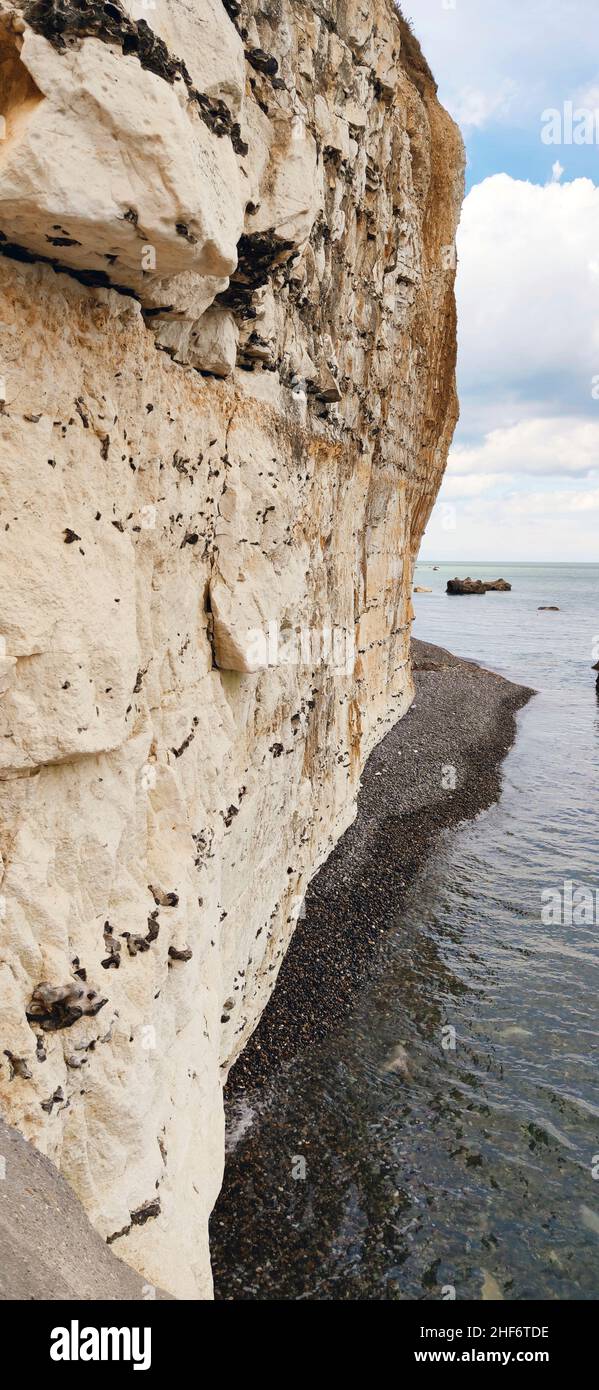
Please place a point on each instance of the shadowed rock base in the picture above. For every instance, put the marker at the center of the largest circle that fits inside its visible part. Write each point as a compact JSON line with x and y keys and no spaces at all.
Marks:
{"x":48,"y":1249}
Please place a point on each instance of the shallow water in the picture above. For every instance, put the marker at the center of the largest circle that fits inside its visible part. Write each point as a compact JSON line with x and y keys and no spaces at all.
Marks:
{"x":444,"y":1143}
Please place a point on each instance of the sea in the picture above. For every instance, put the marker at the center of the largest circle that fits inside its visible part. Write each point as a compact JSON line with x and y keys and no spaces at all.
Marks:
{"x":467,"y":1170}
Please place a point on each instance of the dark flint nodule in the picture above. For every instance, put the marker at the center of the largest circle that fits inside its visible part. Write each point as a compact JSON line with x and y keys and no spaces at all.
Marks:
{"x":262,"y":61}
{"x":180,"y":955}
{"x":53,"y":1007}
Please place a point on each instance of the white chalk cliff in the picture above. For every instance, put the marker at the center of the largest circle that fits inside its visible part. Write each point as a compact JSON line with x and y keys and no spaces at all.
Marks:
{"x":227,"y":350}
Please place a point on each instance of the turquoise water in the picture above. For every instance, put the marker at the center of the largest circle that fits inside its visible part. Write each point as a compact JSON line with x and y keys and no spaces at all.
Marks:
{"x":471,"y":1168}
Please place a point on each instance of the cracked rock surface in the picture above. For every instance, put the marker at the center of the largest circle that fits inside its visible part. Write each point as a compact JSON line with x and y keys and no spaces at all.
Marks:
{"x":227,"y":353}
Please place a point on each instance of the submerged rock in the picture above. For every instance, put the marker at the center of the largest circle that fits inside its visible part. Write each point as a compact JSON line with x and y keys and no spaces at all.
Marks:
{"x":490,"y":1291}
{"x":399,"y":1063}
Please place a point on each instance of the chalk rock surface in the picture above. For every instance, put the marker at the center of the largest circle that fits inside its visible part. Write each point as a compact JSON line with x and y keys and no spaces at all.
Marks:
{"x":48,"y":1249}
{"x":227,"y":351}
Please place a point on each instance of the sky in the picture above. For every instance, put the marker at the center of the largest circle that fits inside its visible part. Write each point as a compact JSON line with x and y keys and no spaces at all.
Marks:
{"x":521,"y":77}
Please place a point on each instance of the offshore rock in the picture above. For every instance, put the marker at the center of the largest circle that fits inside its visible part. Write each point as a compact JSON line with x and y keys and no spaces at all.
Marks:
{"x":478,"y":586}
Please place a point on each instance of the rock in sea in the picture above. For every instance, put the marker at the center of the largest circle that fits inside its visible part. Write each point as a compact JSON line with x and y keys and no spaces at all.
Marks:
{"x":477,"y":586}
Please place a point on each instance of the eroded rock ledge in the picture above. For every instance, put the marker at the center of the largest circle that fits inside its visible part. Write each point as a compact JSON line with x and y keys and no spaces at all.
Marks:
{"x":227,"y":349}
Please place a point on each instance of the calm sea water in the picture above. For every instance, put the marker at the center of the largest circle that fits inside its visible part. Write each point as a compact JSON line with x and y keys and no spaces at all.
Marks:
{"x":472,"y":1168}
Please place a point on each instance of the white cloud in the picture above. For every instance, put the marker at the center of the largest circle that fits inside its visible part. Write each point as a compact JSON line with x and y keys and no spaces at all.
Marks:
{"x":528,"y":304}
{"x":546,"y":48}
{"x":528,"y":288}
{"x":474,"y":486}
{"x":588,"y":97}
{"x":473,"y":107}
{"x":542,"y":526}
{"x":542,"y":447}
{"x":551,"y":504}
{"x":523,"y":475}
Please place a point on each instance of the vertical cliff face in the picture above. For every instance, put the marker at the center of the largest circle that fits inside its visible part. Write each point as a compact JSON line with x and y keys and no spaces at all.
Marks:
{"x":227,"y":347}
